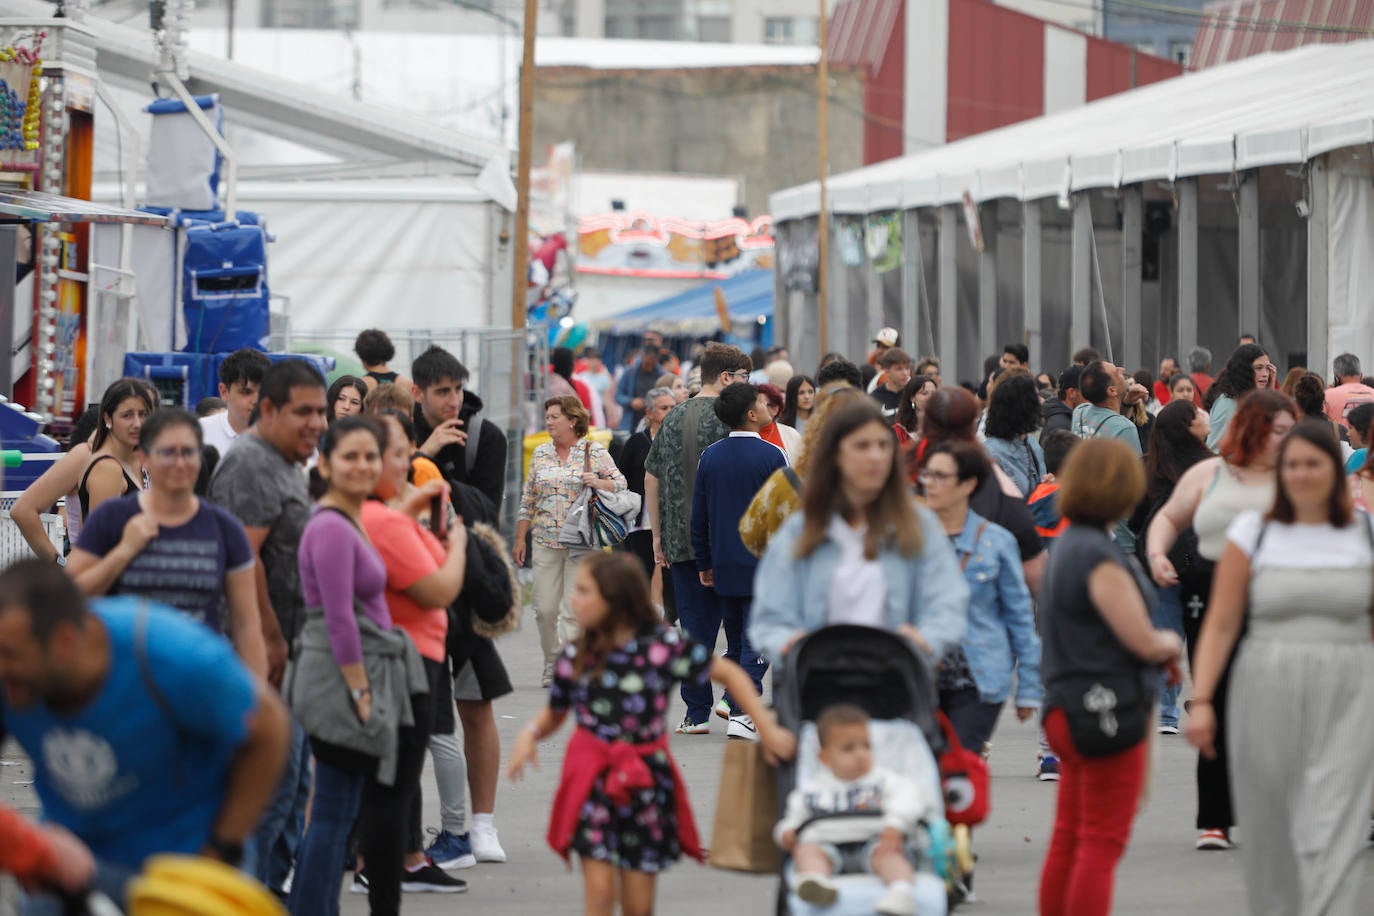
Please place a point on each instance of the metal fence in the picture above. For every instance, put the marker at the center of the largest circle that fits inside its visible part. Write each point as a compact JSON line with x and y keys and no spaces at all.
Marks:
{"x":506,"y":369}
{"x":13,"y":547}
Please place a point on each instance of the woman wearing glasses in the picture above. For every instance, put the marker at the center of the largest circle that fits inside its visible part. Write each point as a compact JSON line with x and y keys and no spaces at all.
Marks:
{"x":169,"y":545}
{"x":1247,"y":369}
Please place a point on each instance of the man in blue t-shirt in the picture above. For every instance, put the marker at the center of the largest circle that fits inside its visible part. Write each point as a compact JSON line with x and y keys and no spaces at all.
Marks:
{"x":146,"y":732}
{"x":730,"y":473}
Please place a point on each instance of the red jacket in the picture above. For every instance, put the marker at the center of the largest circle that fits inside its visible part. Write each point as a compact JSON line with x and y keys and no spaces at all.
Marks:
{"x":587,"y":758}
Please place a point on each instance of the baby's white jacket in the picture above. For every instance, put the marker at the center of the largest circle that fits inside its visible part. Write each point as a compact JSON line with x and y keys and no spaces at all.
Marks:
{"x":902,"y":803}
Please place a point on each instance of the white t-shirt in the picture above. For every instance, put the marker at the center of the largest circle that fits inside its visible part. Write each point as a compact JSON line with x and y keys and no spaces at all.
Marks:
{"x":218,"y":432}
{"x":1302,"y":546}
{"x":858,"y":592}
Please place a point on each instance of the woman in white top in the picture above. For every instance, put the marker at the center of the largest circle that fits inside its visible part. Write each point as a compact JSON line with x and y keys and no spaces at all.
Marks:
{"x":1208,"y":497}
{"x":1307,"y":664}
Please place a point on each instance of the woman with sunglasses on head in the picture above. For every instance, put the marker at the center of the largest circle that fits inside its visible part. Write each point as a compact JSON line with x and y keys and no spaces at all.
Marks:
{"x":169,"y":545}
{"x":1207,"y":498}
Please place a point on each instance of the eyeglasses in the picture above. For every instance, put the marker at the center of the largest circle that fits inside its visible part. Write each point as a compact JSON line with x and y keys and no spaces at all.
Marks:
{"x":741,"y":374}
{"x":928,"y":477}
{"x":170,"y":454}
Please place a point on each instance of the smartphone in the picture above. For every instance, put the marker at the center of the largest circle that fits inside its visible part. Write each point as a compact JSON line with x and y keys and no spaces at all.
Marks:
{"x":438,"y":516}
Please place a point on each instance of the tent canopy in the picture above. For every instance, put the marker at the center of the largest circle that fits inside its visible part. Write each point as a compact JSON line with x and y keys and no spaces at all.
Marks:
{"x":748,"y":295}
{"x":1274,"y":109}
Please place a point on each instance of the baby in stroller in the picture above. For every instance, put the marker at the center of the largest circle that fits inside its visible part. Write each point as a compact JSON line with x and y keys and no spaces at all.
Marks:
{"x":884,"y":812}
{"x":849,"y":783}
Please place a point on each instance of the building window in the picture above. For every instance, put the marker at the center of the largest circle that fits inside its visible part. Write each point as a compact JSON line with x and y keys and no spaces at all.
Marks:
{"x":657,"y":28}
{"x":713,"y":28}
{"x":790,"y":30}
{"x":1181,"y":51}
{"x":306,"y":14}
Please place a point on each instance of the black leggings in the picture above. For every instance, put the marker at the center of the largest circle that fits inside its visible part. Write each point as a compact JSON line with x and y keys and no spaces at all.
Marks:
{"x":1214,"y":810}
{"x":384,"y":819}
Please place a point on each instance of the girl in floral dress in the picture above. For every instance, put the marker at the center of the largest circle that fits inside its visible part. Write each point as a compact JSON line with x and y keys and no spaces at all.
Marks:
{"x":621,"y":804}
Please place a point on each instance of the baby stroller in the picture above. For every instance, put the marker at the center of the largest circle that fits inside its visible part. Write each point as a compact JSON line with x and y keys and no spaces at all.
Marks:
{"x":878,"y":671}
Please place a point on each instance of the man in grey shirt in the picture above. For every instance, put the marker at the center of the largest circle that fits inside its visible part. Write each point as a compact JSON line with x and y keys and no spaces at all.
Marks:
{"x":260,"y":480}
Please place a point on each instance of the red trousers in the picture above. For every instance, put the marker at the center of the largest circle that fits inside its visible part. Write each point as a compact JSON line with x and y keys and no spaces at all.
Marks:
{"x":1098,"y":797}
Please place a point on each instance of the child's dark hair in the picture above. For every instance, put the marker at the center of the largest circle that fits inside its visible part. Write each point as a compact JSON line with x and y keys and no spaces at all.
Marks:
{"x":374,"y":347}
{"x":624,"y":587}
{"x":1056,"y":444}
{"x":734,"y":403}
{"x":833,"y":717}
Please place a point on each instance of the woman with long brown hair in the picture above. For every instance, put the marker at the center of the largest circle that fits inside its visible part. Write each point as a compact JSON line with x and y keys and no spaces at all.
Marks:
{"x":860,"y":551}
{"x":1307,"y":662}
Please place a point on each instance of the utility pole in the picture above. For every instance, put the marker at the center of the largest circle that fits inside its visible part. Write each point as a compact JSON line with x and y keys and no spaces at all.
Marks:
{"x":522,"y":180}
{"x":823,"y":233}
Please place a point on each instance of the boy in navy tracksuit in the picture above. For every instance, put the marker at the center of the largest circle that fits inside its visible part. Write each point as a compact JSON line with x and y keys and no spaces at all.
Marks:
{"x":729,"y":475}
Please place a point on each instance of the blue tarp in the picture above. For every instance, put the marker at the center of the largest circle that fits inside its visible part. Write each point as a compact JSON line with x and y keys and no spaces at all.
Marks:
{"x":749,"y":296}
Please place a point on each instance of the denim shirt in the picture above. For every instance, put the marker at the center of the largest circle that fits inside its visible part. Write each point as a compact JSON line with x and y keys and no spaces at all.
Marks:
{"x":1001,"y":624}
{"x":791,"y":593}
{"x":1021,"y":459}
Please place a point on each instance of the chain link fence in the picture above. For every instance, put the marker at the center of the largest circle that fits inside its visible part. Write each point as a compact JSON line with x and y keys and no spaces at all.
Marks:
{"x":506,"y":369}
{"x":13,"y":547}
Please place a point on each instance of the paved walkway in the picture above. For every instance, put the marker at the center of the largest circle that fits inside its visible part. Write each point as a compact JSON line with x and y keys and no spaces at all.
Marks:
{"x":1160,"y":874}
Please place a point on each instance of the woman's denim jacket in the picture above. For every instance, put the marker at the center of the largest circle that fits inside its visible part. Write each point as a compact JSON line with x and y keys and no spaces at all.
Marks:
{"x":1001,"y":623}
{"x":790,"y":594}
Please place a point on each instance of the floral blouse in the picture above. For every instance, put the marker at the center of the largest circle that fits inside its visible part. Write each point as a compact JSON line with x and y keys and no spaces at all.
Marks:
{"x":552,"y":485}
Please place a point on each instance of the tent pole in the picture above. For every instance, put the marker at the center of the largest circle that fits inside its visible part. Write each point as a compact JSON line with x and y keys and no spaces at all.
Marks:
{"x":1318,"y":268}
{"x":1030,"y":280}
{"x":823,"y":216}
{"x":1249,"y":238}
{"x":987,"y":282}
{"x":520,"y":284}
{"x":910,"y":314}
{"x":1132,"y":214}
{"x":1186,"y":189}
{"x":949,"y":292}
{"x":1081,"y":296}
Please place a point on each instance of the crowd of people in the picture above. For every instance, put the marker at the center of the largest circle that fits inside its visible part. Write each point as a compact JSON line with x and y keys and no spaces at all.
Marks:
{"x":330,"y":558}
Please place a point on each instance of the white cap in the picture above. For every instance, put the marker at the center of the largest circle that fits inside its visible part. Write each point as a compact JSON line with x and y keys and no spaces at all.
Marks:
{"x":887,"y":337}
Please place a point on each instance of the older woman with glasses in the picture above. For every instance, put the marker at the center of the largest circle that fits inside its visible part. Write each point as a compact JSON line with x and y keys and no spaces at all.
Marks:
{"x":169,"y":545}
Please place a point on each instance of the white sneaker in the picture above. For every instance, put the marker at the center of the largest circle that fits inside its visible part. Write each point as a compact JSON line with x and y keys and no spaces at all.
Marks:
{"x":896,"y":902}
{"x":547,"y":678}
{"x":816,"y":889}
{"x":486,"y":845}
{"x":742,"y":727}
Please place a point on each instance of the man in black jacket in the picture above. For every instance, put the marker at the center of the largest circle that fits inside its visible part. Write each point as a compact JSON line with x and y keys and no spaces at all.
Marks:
{"x":1058,"y":412}
{"x":447,"y":418}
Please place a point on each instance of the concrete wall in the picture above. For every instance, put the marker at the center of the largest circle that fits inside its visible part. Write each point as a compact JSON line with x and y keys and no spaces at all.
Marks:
{"x":757,"y":124}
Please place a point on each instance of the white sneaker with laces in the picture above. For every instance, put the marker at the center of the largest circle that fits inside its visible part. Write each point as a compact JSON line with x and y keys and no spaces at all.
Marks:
{"x":742,"y":727}
{"x":486,"y":845}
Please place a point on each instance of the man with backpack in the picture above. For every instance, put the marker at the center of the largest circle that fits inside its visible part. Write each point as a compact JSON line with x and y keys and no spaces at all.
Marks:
{"x":468,"y":448}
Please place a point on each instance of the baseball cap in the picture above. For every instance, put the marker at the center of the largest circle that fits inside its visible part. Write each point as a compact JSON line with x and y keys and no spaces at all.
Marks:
{"x":887,"y":337}
{"x":1070,"y":377}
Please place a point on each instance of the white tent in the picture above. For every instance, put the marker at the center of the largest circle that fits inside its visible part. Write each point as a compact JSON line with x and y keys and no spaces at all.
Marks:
{"x":1242,"y":190}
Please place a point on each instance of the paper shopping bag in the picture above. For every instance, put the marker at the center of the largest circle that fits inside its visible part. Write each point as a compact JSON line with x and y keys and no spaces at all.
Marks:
{"x":746,"y":810}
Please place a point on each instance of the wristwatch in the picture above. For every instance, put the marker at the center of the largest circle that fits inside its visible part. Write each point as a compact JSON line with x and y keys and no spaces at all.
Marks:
{"x":230,"y":852}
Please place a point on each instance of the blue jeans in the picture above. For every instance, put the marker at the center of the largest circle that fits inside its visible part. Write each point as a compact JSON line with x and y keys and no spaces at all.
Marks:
{"x":279,"y":830}
{"x":734,"y":613}
{"x":110,"y":880}
{"x":315,"y":887}
{"x":1169,"y":615}
{"x":698,"y":612}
